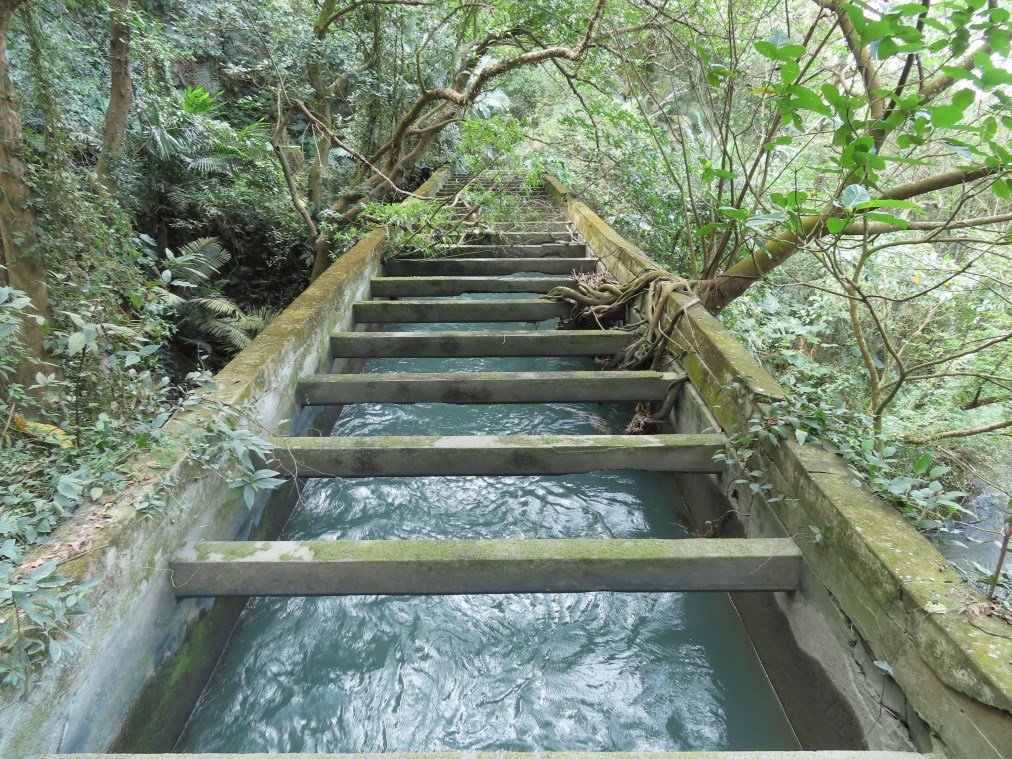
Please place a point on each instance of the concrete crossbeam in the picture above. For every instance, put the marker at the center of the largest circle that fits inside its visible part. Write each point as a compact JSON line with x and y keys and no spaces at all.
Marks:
{"x":478,"y":343}
{"x":561,"y":234}
{"x":486,"y":387}
{"x":513,"y":250}
{"x":455,"y":567}
{"x":399,"y":287}
{"x":514,"y":310}
{"x":539,"y":755}
{"x":451,"y":267}
{"x":430,"y":455}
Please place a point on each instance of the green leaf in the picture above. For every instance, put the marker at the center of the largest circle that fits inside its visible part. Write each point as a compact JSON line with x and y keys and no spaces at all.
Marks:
{"x":738,"y":214}
{"x":963,"y":98}
{"x":888,"y":218}
{"x":854,"y":195}
{"x":835,"y":225}
{"x":957,"y":73}
{"x":885,"y":203}
{"x":923,"y":464}
{"x":779,"y":53}
{"x":809,"y":100}
{"x":789,"y":71}
{"x":75,"y":343}
{"x":946,"y":116}
{"x":943,"y":116}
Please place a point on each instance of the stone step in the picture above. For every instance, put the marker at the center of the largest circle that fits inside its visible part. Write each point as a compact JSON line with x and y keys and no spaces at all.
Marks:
{"x":506,"y":250}
{"x":455,"y":567}
{"x":399,"y":287}
{"x":513,"y":310}
{"x":429,"y":455}
{"x":486,"y":387}
{"x":479,"y":343}
{"x":449,"y":267}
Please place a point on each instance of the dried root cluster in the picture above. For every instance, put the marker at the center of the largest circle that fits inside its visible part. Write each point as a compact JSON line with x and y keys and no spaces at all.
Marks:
{"x":602,"y":303}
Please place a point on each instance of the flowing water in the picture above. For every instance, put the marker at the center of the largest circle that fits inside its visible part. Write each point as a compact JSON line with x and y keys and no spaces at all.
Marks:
{"x":533,"y":672}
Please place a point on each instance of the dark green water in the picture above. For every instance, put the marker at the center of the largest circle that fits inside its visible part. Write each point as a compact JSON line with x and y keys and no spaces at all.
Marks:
{"x":597,"y":671}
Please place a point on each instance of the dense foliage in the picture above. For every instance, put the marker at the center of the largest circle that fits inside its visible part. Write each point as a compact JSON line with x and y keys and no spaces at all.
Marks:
{"x":833,"y":177}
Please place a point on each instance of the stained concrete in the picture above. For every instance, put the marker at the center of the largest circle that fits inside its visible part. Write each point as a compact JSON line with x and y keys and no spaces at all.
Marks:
{"x":455,"y":567}
{"x":398,"y":287}
{"x":542,"y":755}
{"x":418,"y":311}
{"x":487,"y":387}
{"x":476,"y":344}
{"x":515,"y":249}
{"x":951,"y":665}
{"x":132,"y":640}
{"x":422,"y":456}
{"x":444,"y":267}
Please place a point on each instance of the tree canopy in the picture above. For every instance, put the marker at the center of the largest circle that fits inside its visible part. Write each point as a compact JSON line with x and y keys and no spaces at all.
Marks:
{"x":833,"y":178}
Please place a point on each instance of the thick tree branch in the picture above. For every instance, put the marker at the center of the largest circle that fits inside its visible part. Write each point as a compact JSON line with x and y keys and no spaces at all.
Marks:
{"x":969,"y":431}
{"x":736,"y":280}
{"x":878,"y":228}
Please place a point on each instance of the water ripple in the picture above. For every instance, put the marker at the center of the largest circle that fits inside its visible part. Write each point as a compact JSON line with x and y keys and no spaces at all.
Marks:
{"x":533,"y":672}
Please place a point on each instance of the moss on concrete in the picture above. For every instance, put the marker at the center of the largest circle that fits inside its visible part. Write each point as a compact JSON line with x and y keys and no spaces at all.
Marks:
{"x":546,"y":550}
{"x":81,"y":701}
{"x":484,"y":442}
{"x":955,"y":665}
{"x":159,"y":712}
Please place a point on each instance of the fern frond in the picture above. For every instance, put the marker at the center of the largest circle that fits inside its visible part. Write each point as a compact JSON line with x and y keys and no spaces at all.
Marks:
{"x":219,"y":306}
{"x":226,"y":332}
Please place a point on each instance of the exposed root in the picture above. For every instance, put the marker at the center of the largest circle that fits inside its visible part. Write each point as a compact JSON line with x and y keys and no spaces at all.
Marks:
{"x":602,"y":303}
{"x":669,"y":400}
{"x":644,"y":421}
{"x":641,"y":418}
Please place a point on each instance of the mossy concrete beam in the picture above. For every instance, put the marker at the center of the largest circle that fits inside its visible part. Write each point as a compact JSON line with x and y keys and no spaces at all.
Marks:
{"x":136,"y":625}
{"x":421,"y":311}
{"x":451,"y":267}
{"x":424,"y":455}
{"x":488,"y":387}
{"x":515,"y":249}
{"x":400,"y":287}
{"x":478,"y":343}
{"x":547,"y":233}
{"x":453,"y":567}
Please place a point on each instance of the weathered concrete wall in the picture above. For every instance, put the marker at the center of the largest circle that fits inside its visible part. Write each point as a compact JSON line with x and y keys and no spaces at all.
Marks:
{"x":136,"y":626}
{"x":875,"y":583}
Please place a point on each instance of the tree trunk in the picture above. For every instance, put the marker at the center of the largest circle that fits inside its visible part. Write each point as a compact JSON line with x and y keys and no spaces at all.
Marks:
{"x":21,"y":254}
{"x":120,"y":91}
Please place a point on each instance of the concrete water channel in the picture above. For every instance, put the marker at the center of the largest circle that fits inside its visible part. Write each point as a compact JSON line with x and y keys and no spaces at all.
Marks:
{"x":474,"y":556}
{"x":531,"y":672}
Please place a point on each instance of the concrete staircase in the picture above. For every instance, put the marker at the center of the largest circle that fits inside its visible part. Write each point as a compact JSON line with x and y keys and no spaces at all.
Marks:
{"x":546,"y":249}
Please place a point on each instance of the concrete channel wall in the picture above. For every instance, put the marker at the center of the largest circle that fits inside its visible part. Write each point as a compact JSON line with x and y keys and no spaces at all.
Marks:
{"x":145,"y":656}
{"x":872,"y":589}
{"x":880,"y":616}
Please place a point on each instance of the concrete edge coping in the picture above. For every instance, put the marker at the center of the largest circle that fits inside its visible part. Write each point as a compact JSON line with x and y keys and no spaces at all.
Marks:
{"x":970,"y":656}
{"x":247,"y":374}
{"x":236,"y":383}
